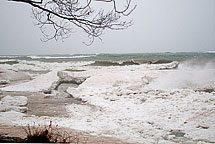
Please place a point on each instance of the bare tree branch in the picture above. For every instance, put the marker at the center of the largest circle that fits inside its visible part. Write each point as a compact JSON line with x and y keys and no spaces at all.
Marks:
{"x":60,"y":16}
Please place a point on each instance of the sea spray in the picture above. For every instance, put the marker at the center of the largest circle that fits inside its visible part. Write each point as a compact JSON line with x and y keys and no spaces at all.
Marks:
{"x":189,"y":75}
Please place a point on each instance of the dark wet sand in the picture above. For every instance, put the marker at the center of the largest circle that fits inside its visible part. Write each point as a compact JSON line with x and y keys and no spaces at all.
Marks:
{"x":40,"y":105}
{"x":83,"y":138}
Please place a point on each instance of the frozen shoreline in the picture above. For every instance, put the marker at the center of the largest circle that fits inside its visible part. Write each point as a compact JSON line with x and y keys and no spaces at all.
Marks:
{"x":138,"y":103}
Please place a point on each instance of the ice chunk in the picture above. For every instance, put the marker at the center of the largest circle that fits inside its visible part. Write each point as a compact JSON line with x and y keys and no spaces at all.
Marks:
{"x":15,"y":100}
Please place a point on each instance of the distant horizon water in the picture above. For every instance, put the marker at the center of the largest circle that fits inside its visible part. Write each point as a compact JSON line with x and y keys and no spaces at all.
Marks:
{"x":176,"y":56}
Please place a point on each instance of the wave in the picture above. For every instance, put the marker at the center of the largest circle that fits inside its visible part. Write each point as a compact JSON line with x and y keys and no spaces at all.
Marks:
{"x":10,"y":62}
{"x":188,"y":76}
{"x":62,"y":57}
{"x":129,"y":62}
{"x":10,"y":56}
{"x":161,"y":61}
{"x":209,"y":52}
{"x":112,"y":63}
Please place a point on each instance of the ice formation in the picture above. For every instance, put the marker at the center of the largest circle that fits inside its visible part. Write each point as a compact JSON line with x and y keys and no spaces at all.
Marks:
{"x":14,"y":103}
{"x":140,"y":103}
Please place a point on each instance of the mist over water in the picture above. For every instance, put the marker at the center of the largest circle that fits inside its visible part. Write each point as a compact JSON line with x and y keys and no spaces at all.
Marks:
{"x":191,"y":74}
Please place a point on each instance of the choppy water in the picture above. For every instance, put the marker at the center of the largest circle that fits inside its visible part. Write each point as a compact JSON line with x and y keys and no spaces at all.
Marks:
{"x":179,"y":56}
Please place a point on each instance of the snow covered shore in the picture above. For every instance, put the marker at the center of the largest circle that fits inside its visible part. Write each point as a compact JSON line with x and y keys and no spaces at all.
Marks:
{"x":137,"y":103}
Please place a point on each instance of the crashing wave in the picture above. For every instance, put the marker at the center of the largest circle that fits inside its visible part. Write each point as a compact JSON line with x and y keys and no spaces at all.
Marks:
{"x":187,"y":76}
{"x":111,"y":63}
{"x":209,"y":51}
{"x":166,"y":66}
{"x":135,"y":62}
{"x":10,"y":62}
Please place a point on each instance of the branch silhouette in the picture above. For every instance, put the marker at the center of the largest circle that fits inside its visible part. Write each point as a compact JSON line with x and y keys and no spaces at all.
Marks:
{"x":57,"y":18}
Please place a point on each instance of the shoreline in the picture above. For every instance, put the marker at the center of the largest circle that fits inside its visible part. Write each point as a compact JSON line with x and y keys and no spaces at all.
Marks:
{"x":136,"y":103}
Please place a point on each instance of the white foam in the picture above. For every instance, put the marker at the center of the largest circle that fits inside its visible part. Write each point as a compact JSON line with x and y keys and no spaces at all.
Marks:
{"x":188,"y":76}
{"x":210,"y":52}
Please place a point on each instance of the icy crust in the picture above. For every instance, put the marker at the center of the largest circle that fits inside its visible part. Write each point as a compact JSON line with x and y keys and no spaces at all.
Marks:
{"x":139,"y":103}
{"x":10,"y":117}
{"x":15,"y":100}
{"x":42,"y":66}
{"x":155,"y":119}
{"x":45,"y":82}
{"x":120,"y":103}
{"x":40,"y":83}
{"x":9,"y":75}
{"x":15,"y":103}
{"x":125,"y":106}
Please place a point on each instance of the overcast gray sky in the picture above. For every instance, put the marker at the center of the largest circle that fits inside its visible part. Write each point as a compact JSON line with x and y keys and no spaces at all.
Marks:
{"x":159,"y":26}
